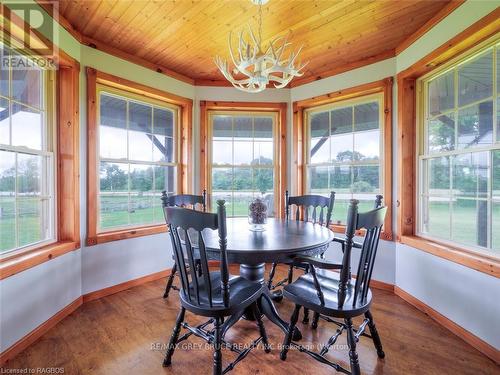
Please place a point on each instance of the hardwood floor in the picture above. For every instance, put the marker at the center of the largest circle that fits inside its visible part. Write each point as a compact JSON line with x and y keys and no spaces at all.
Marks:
{"x":125,"y":333}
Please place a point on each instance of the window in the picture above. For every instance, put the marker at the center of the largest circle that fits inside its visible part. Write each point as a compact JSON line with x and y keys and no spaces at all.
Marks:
{"x":27,"y":160}
{"x":459,"y":163}
{"x":344,"y":152}
{"x":243,"y":159}
{"x":137,"y":147}
{"x":137,"y":159}
{"x":244,"y":154}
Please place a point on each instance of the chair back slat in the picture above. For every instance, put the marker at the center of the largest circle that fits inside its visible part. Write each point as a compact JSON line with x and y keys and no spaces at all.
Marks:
{"x":179,"y":258}
{"x":185,"y":200}
{"x":204,"y":269}
{"x":305,"y":203}
{"x":372,"y":221}
{"x":187,"y":227}
{"x":192,"y":265}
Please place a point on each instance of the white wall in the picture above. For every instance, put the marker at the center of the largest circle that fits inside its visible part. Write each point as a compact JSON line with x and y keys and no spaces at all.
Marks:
{"x":463,"y":295}
{"x":30,"y":298}
{"x":54,"y":284}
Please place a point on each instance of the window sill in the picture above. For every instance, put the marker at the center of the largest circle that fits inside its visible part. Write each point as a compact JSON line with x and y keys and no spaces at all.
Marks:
{"x":124,"y":234}
{"x":16,"y":263}
{"x":479,"y":262}
{"x":339,"y":228}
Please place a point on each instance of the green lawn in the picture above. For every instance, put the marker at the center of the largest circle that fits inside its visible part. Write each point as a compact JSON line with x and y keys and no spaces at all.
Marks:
{"x":147,"y":210}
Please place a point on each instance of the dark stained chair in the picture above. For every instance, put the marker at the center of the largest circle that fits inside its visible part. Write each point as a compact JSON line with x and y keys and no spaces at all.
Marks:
{"x":334,"y":296}
{"x":314,"y":208}
{"x":182,"y":200}
{"x":212,"y":294}
{"x":314,"y":324}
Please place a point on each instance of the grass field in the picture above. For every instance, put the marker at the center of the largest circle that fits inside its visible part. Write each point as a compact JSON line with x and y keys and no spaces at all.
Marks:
{"x":115,"y":212}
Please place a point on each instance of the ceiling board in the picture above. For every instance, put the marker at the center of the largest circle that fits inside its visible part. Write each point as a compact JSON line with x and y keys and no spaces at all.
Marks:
{"x":184,"y":36}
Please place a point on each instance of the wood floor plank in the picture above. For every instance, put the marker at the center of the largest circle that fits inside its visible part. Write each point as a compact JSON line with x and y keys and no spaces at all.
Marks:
{"x":125,"y":333}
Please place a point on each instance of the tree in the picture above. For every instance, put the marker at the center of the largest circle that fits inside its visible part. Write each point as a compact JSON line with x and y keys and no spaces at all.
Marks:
{"x":113,"y":178}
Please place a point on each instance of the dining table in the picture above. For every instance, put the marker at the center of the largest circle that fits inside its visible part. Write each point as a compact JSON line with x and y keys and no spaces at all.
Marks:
{"x":279,"y":242}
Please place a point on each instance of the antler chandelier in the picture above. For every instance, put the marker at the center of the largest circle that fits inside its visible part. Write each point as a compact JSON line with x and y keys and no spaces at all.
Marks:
{"x":260,"y":68}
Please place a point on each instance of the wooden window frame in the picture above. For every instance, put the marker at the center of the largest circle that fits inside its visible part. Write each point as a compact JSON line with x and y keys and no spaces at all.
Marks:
{"x":384,"y":87}
{"x":67,"y":176}
{"x":468,"y":39}
{"x":94,"y":78}
{"x":262,"y":107}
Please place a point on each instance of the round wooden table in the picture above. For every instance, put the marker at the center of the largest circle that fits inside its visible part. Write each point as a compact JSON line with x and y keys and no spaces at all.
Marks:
{"x":281,"y":241}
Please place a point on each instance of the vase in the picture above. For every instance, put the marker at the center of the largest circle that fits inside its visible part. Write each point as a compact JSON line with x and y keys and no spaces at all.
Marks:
{"x":257,"y":215}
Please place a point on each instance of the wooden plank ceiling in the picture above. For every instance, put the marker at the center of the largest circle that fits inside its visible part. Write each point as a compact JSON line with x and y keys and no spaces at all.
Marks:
{"x":185,"y":35}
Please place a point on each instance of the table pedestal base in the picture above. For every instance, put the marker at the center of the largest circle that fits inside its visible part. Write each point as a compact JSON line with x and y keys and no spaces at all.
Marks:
{"x":255,"y":272}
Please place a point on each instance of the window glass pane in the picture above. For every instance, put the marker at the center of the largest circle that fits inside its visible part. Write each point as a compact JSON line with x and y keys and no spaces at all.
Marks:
{"x":263,"y":128}
{"x":29,"y":221}
{"x":366,"y":117}
{"x":243,"y":128}
{"x":341,"y":139}
{"x":498,"y":68}
{"x":495,"y":223}
{"x":341,"y":146}
{"x":164,"y":180}
{"x":438,"y":172}
{"x":222,"y":127}
{"x":26,"y":127}
{"x":320,"y":131}
{"x":141,"y":194}
{"x":441,"y":94}
{"x":114,"y":197}
{"x":7,"y":200}
{"x":318,"y":180}
{"x":113,"y":127}
{"x":436,"y":217}
{"x":29,"y":174}
{"x":441,"y":133}
{"x":475,"y":125}
{"x":366,"y":179}
{"x":243,"y":152}
{"x":163,"y":141}
{"x":475,"y":79}
{"x":4,"y":122}
{"x":27,"y":86}
{"x":342,"y":120}
{"x":470,"y":222}
{"x":222,"y":179}
{"x":222,"y":153}
{"x":470,"y":174}
{"x":222,"y":187}
{"x":341,"y":178}
{"x":140,"y":146}
{"x":366,"y":145}
{"x":263,"y":153}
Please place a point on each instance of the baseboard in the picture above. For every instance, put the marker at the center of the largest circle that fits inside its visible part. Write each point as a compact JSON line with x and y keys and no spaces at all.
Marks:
{"x":461,"y":332}
{"x":376,"y":284}
{"x":124,"y":286}
{"x":39,"y":331}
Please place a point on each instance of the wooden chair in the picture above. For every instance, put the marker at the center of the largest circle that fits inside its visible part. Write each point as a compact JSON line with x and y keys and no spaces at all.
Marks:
{"x":212,"y":294}
{"x":314,"y":324}
{"x":334,"y":296}
{"x":305,"y":208}
{"x":182,"y":200}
